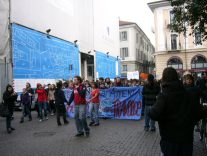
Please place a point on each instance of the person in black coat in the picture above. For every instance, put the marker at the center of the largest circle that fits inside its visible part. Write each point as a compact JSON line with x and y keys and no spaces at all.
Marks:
{"x":177,"y":111}
{"x":59,"y":102}
{"x":150,"y":92}
{"x":193,"y":89}
{"x":9,"y":98}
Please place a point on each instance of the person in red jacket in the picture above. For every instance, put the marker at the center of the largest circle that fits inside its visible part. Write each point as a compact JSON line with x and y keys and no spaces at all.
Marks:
{"x":94,"y":105}
{"x":42,"y":101}
{"x":79,"y":97}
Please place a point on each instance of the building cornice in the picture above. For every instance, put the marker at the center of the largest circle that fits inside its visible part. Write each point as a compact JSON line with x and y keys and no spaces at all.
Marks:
{"x":181,"y":51}
{"x":158,"y":4}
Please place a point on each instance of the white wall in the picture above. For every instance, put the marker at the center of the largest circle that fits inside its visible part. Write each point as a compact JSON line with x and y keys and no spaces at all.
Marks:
{"x":68,"y":19}
{"x":72,"y":20}
{"x":103,"y":19}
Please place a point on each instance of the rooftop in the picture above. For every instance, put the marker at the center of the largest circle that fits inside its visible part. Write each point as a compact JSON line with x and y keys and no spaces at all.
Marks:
{"x":122,"y":23}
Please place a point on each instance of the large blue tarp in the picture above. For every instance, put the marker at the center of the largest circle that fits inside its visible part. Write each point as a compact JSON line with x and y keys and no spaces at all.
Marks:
{"x":116,"y":103}
{"x":37,"y":56}
{"x":106,"y":65}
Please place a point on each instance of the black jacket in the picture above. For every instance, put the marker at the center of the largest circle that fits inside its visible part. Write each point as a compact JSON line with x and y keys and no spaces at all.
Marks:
{"x":9,"y":100}
{"x":195,"y":90}
{"x":176,"y":111}
{"x":59,"y":97}
{"x":150,"y":92}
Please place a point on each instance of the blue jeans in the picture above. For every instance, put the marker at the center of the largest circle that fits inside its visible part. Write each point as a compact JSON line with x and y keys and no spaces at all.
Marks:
{"x":42,"y":106}
{"x":149,"y":123}
{"x":80,"y":118}
{"x":93,"y":109}
{"x":26,"y":111}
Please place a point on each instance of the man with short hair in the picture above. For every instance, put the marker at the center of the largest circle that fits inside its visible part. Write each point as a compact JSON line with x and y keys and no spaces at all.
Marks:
{"x":150,"y":92}
{"x":79,"y":97}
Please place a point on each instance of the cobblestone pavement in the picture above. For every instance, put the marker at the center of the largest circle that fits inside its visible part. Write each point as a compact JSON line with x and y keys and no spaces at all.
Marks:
{"x":111,"y":138}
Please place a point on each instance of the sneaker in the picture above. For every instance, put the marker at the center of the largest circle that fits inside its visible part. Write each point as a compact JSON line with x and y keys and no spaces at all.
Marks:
{"x":66,"y":122}
{"x":152,"y":130}
{"x":40,"y":120}
{"x":9,"y":130}
{"x":52,"y":114}
{"x":146,"y":129}
{"x":46,"y":118}
{"x":87,"y":134}
{"x":96,"y":124}
{"x":21,"y":121}
{"x":79,"y":134}
{"x":12,"y":128}
{"x":59,"y":124}
{"x":91,"y":123}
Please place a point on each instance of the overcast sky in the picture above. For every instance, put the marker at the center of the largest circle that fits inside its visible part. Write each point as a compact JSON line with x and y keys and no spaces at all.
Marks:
{"x":136,"y":11}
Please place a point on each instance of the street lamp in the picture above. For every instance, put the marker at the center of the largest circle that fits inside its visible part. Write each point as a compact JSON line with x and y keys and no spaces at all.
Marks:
{"x":48,"y":33}
{"x":75,"y":42}
{"x":107,"y":54}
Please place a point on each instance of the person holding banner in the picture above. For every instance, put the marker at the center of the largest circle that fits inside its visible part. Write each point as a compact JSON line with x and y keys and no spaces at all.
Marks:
{"x":79,"y":97}
{"x":42,"y":101}
{"x":59,"y":102}
{"x":94,"y":105}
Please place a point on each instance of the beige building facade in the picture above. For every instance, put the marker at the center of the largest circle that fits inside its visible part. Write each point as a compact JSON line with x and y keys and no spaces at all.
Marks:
{"x":185,"y":54}
{"x":136,"y":50}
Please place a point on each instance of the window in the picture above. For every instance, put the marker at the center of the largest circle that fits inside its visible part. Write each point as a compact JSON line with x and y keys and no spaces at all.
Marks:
{"x":199,"y":62}
{"x":174,"y":41}
{"x":172,"y":16}
{"x":124,"y":68}
{"x":108,"y":31}
{"x":175,"y":63}
{"x":123,"y":36}
{"x":198,"y":37}
{"x":137,"y":54}
{"x":124,"y":52}
{"x":137,"y":37}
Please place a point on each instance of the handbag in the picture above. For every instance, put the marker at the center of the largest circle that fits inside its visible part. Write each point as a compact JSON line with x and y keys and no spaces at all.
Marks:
{"x":4,"y":111}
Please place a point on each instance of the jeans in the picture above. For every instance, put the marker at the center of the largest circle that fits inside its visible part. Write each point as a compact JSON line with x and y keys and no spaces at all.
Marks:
{"x":26,"y":110}
{"x":42,"y":105}
{"x":93,"y":109}
{"x":80,"y":118}
{"x":176,"y":149}
{"x":149,"y":123}
{"x":9,"y":118}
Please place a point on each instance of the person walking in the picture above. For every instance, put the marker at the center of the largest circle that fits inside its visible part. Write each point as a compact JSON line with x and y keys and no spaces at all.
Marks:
{"x":150,"y":92}
{"x":42,"y":102}
{"x":31,"y":93}
{"x":177,"y":112}
{"x":9,"y":97}
{"x":94,"y":105}
{"x":51,"y":99}
{"x":25,"y":101}
{"x":59,"y":102}
{"x":79,"y":97}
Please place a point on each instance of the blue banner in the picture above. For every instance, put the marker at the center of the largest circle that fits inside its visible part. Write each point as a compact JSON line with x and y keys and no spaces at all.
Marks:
{"x":107,"y":66}
{"x":117,"y":103}
{"x":38,"y":56}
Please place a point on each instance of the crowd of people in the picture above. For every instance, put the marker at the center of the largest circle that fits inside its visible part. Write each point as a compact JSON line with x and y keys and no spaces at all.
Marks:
{"x":175,"y":103}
